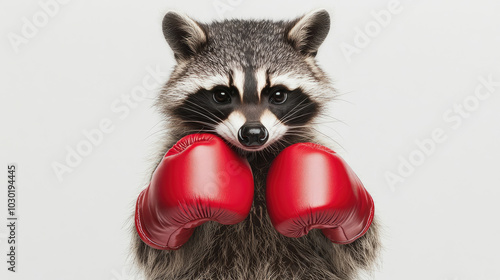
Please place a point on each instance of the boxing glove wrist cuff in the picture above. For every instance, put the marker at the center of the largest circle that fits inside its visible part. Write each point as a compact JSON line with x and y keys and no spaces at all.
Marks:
{"x":141,"y":227}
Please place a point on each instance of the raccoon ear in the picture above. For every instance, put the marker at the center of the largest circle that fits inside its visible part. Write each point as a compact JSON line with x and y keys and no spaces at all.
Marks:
{"x":307,"y":33}
{"x":184,"y":35}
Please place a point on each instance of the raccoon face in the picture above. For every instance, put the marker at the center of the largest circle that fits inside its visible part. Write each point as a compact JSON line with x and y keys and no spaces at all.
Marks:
{"x":252,"y":82}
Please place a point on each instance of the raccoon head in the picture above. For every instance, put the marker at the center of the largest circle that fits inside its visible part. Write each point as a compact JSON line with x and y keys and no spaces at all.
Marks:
{"x":253,"y":82}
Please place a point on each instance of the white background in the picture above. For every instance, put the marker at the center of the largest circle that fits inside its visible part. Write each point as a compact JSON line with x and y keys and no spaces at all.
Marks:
{"x":440,"y":223}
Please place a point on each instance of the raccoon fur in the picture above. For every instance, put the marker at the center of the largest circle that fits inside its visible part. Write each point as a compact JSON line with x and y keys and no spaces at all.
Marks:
{"x":229,"y":74}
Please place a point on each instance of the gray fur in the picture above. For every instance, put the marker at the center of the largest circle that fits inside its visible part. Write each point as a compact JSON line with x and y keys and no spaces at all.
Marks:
{"x":252,"y":249}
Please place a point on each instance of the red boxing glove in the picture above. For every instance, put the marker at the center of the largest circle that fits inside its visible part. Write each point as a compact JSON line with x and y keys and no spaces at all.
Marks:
{"x":310,"y":186}
{"x":200,"y":179}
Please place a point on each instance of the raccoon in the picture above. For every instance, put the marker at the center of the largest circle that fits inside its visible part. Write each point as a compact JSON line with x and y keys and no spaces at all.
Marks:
{"x":256,"y":84}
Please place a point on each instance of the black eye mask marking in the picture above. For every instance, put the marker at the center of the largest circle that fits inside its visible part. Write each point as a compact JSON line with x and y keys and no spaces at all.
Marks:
{"x":201,"y":109}
{"x":205,"y":108}
{"x":297,"y":109}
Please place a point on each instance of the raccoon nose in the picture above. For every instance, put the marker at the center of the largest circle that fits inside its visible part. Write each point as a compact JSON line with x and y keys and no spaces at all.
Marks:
{"x":252,"y":134}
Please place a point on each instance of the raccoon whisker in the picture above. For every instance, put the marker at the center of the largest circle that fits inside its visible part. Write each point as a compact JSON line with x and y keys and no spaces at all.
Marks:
{"x":281,"y":120}
{"x":299,"y":132}
{"x":152,"y":134}
{"x":282,"y":142}
{"x":336,"y":97}
{"x":297,"y":117}
{"x":206,"y":110}
{"x":292,"y":110}
{"x":289,"y":112}
{"x":294,"y":117}
{"x":299,"y":129}
{"x":343,"y":100}
{"x":206,"y":127}
{"x":332,"y":129}
{"x":289,"y":116}
{"x":296,"y":112}
{"x":155,"y":125}
{"x":322,"y":114}
{"x":325,"y":122}
{"x":200,"y":130}
{"x":307,"y":126}
{"x":342,"y":94}
{"x":194,"y":131}
{"x":215,"y":121}
{"x":336,"y":142}
{"x":261,"y":153}
{"x":270,"y":148}
{"x":200,"y":113}
{"x":232,"y":128}
{"x":298,"y":135}
{"x":200,"y":122}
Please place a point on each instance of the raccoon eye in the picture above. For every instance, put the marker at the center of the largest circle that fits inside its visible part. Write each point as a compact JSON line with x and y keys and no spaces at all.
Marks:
{"x":222,"y":97}
{"x":278,"y":97}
